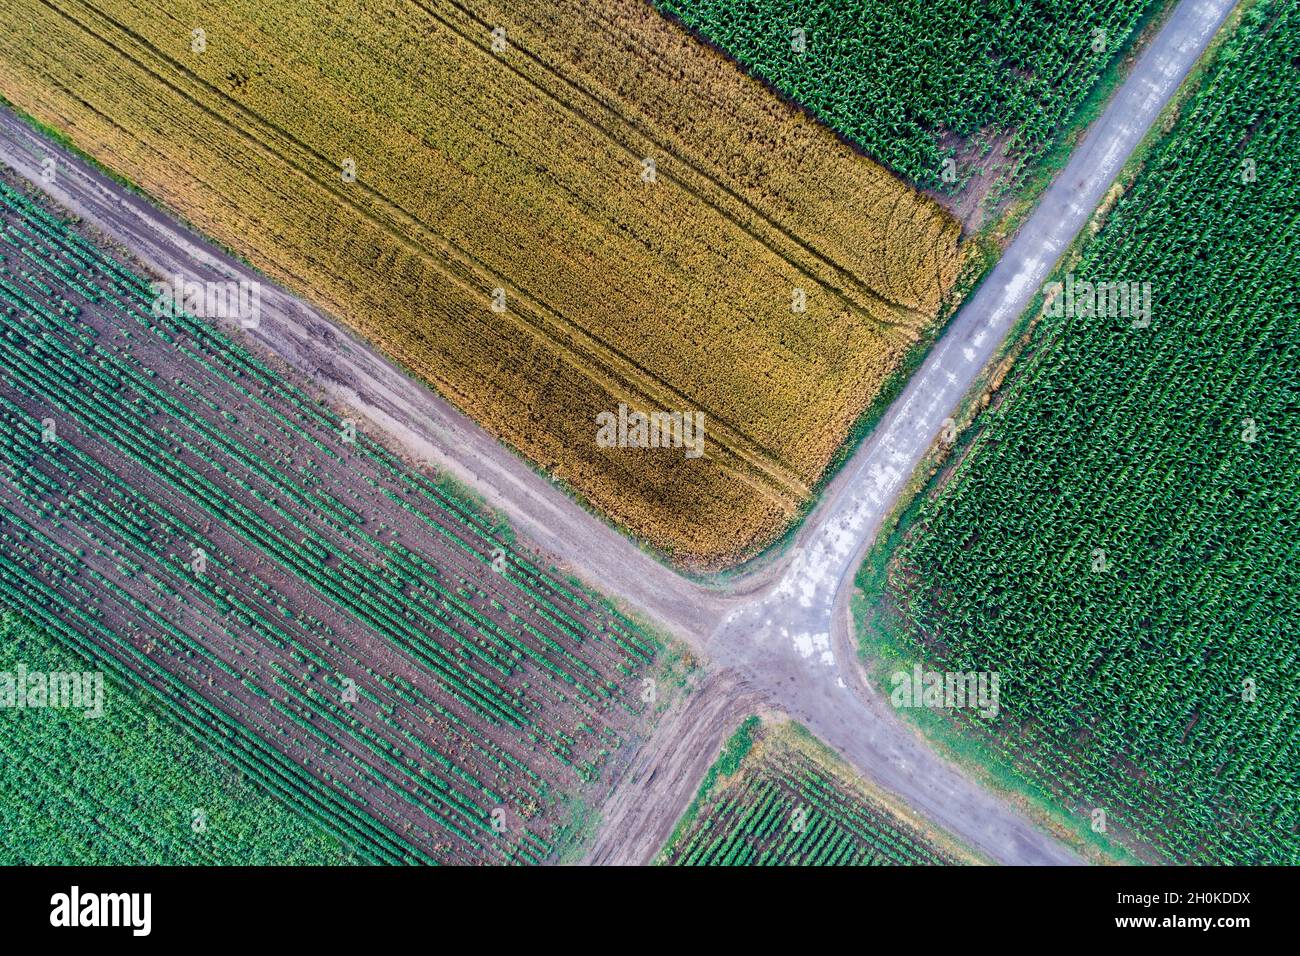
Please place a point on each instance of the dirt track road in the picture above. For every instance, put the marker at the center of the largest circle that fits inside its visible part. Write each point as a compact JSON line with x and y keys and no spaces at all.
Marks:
{"x":665,"y":775}
{"x":781,"y":633}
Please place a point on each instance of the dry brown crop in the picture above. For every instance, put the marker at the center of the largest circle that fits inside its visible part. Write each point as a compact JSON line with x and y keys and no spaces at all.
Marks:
{"x":510,"y":168}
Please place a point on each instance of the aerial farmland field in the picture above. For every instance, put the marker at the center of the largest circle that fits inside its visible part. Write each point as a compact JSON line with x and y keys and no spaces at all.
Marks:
{"x":352,"y":636}
{"x":1118,"y":538}
{"x":775,"y":797}
{"x":549,"y":439}
{"x":132,"y":788}
{"x":522,"y":218}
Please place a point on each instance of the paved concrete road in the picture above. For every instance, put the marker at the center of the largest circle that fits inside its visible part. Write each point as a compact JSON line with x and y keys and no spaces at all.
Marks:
{"x":782,"y":631}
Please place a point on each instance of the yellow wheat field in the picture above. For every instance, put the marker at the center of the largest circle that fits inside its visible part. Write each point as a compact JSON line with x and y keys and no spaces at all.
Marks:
{"x":518,"y":161}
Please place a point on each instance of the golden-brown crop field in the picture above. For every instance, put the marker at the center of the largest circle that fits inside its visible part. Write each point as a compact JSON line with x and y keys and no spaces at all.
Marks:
{"x":517,"y":161}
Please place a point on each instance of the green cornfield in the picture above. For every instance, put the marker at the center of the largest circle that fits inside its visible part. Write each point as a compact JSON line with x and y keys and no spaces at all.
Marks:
{"x":914,"y":82}
{"x":1119,"y":539}
{"x":128,"y":788}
